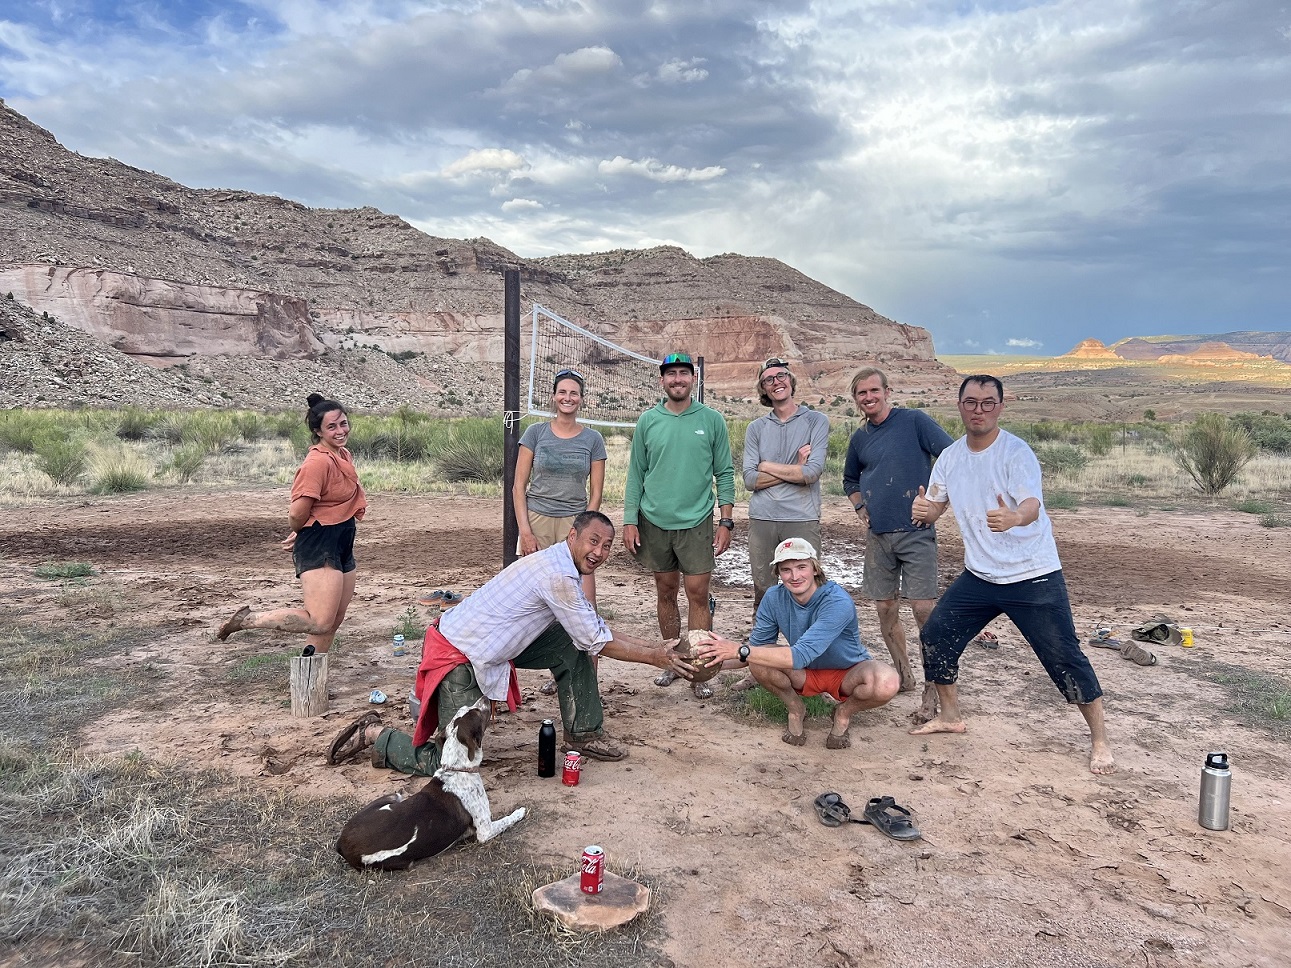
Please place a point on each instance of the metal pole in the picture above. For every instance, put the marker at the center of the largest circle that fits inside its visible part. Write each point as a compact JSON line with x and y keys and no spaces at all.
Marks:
{"x":511,"y":410}
{"x":700,"y":367}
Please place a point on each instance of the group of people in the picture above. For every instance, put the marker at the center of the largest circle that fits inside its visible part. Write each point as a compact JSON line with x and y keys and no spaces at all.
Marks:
{"x":901,"y":473}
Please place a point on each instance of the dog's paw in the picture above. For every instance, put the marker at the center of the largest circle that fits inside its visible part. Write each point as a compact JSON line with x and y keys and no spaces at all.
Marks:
{"x":516,"y":815}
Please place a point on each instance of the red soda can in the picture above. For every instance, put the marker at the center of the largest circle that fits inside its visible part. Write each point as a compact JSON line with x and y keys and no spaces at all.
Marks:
{"x":593,"y":870}
{"x":573,"y":768}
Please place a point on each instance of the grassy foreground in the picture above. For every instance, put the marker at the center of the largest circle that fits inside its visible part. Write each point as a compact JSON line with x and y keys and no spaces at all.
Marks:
{"x":135,"y":862}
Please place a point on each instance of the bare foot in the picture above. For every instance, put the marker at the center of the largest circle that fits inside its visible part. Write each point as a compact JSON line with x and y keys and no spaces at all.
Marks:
{"x":838,"y":738}
{"x":1100,"y":759}
{"x":938,"y":725}
{"x":234,"y":624}
{"x":928,"y":708}
{"x":794,"y":723}
{"x":665,"y":678}
{"x":745,"y":684}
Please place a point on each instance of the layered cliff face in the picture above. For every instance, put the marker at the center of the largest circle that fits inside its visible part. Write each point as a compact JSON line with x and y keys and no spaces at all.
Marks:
{"x":166,"y":321}
{"x":165,"y":273}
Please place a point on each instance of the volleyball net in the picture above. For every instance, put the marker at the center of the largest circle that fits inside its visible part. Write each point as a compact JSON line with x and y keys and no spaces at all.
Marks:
{"x":618,"y":384}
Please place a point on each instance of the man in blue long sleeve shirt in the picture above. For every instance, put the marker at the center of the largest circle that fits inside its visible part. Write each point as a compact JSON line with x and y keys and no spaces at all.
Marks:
{"x":825,"y":652}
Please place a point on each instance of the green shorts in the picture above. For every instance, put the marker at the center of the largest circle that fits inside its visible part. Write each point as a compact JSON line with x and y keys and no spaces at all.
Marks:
{"x":689,"y":551}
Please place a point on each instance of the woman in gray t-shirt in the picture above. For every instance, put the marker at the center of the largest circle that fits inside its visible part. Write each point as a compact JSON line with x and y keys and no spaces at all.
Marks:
{"x":560,"y":473}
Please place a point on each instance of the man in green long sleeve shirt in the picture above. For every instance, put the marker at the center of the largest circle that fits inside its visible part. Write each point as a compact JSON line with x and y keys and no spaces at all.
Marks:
{"x":679,"y":449}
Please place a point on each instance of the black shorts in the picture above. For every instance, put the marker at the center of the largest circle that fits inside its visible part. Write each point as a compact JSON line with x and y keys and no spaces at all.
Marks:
{"x":325,"y":545}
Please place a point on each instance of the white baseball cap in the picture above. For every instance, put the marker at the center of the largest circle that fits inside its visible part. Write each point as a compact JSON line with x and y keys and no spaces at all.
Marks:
{"x":795,"y":549}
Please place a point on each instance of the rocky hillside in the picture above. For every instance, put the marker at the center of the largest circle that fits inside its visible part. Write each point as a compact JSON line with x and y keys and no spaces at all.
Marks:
{"x":260,"y":299}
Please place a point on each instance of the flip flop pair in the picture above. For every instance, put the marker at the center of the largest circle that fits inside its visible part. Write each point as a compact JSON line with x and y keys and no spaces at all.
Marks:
{"x":882,"y":813}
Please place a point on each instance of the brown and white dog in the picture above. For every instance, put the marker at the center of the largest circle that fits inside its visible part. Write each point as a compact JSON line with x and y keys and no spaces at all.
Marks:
{"x":393,"y":832}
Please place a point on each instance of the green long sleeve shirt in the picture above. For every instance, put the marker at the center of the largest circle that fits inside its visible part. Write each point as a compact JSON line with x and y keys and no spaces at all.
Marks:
{"x":675,"y":460}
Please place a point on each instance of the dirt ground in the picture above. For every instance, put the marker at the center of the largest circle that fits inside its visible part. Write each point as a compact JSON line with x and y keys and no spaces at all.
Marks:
{"x":1027,"y":859}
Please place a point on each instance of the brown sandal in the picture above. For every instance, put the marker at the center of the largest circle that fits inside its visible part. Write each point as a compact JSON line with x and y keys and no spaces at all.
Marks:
{"x":353,"y":739}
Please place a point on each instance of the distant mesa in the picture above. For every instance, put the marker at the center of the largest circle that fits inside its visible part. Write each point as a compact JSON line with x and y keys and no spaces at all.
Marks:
{"x":1090,"y":349}
{"x":1208,"y":352}
{"x":1187,"y":349}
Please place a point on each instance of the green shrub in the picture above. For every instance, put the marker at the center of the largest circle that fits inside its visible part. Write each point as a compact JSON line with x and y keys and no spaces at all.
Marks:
{"x":1274,"y":521}
{"x":62,"y":458}
{"x":1253,"y":505}
{"x":1061,"y":501}
{"x":63,"y":570}
{"x":1269,"y":431}
{"x":252,"y":426}
{"x":1061,"y":457}
{"x":118,"y":471}
{"x":135,"y":424}
{"x":1099,"y":438}
{"x":210,"y":430}
{"x":186,"y":462}
{"x":1136,"y":480}
{"x":169,"y":428}
{"x":1213,"y":452}
{"x":21,"y":429}
{"x":1046,"y":430}
{"x":473,"y":451}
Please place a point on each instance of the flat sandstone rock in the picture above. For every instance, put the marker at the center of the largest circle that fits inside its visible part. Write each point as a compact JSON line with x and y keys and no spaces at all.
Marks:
{"x":619,"y":902}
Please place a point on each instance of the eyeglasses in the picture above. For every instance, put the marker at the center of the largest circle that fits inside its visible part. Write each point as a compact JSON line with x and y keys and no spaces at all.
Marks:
{"x":985,"y":406}
{"x":677,"y":359}
{"x":568,"y":374}
{"x":775,"y":378}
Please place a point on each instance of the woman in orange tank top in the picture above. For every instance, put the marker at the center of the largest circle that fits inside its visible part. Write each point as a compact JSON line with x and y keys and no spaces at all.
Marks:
{"x":326,"y":501}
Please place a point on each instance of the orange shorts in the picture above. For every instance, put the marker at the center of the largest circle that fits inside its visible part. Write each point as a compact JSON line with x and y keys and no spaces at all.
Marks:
{"x":824,"y":681}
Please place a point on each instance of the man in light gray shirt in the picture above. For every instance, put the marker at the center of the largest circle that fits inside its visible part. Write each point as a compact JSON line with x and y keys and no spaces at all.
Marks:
{"x":784,"y":456}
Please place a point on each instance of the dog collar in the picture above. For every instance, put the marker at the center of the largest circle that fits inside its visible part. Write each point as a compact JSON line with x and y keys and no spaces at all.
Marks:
{"x":458,"y":769}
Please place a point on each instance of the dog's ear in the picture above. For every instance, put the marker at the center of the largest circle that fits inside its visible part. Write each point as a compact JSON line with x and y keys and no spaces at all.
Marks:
{"x":470,"y":731}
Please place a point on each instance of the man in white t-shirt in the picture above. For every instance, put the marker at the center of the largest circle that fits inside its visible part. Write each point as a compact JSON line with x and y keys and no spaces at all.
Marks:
{"x":1011,"y":565}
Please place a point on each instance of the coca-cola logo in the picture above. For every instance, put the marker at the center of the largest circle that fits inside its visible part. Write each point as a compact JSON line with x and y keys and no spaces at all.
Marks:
{"x":591,"y":864}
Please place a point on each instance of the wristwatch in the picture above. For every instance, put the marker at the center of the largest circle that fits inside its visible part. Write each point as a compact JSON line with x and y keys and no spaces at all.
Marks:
{"x":743,"y":653}
{"x":859,"y":508}
{"x":728,"y":523}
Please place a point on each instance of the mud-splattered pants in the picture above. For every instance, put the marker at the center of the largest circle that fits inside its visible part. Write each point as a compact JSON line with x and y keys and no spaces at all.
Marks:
{"x":1039,"y":607}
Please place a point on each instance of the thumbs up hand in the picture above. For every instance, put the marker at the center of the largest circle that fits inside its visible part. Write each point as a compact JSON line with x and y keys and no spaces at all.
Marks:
{"x":922,"y":510}
{"x":1001,"y":518}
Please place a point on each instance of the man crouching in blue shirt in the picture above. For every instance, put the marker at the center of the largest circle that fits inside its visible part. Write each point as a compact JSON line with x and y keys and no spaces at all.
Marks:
{"x":825,"y":653}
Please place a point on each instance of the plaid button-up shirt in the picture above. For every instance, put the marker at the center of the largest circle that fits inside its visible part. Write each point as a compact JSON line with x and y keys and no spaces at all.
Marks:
{"x":500,"y":620}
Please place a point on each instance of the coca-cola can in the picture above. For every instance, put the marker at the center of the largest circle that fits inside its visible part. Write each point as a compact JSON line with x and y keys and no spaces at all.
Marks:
{"x":592,"y":878}
{"x":573,"y":768}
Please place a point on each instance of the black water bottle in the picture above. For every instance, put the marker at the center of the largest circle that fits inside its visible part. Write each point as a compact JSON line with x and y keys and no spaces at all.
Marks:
{"x":547,"y":749}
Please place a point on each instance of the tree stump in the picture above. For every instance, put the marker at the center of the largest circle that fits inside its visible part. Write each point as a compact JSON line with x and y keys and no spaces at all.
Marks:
{"x":309,"y":684}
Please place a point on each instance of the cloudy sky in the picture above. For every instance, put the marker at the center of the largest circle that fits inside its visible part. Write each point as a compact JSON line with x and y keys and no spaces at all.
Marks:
{"x":1015,"y":176}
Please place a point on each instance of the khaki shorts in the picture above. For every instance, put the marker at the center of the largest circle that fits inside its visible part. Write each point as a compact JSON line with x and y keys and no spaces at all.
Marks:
{"x":689,"y":551}
{"x":547,"y":530}
{"x":901,"y":564}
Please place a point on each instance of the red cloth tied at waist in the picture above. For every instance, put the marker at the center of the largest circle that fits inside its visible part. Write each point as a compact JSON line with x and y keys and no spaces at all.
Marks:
{"x":439,"y":657}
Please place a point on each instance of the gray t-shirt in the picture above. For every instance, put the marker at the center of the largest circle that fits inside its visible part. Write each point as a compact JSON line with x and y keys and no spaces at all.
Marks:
{"x":558,"y":483}
{"x":768,"y":438}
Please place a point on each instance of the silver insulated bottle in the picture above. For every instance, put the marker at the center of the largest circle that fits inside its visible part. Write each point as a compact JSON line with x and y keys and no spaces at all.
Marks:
{"x":1216,"y":784}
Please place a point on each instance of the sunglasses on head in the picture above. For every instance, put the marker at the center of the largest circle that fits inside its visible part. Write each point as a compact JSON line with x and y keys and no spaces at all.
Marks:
{"x":677,"y":359}
{"x":774,"y":361}
{"x":571,"y":374}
